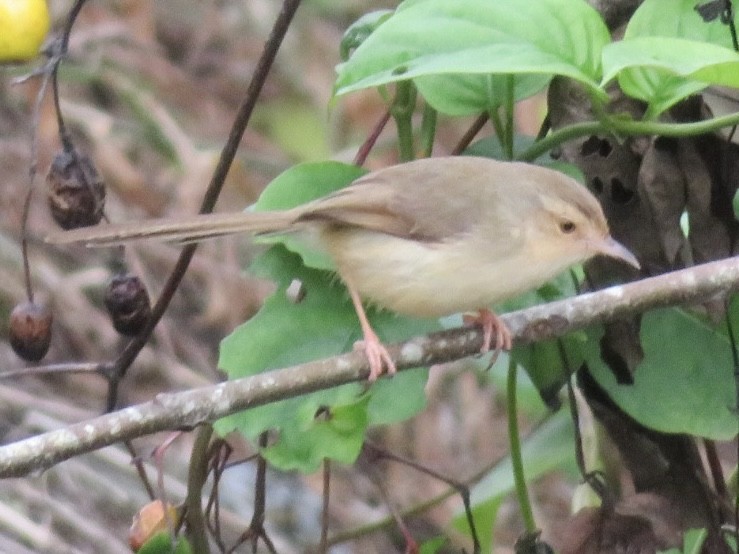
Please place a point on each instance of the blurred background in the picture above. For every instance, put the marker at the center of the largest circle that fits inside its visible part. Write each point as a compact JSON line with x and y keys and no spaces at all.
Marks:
{"x":149,"y":90}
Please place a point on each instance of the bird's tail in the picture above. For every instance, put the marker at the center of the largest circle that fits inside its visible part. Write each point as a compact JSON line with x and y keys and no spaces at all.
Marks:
{"x":181,"y":229}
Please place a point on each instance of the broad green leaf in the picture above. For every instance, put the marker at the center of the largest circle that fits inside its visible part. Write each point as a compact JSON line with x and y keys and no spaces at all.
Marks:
{"x":676,"y":18}
{"x":663,"y":70}
{"x":663,"y":82}
{"x":693,"y":540}
{"x":685,"y":382}
{"x":460,"y":95}
{"x":436,"y":37}
{"x":358,"y":31}
{"x":338,"y":434}
{"x":322,"y":324}
{"x":298,"y":185}
{"x":543,"y":362}
{"x":161,"y":543}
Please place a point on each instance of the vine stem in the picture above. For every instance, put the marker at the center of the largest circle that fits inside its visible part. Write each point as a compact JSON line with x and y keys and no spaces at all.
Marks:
{"x":510,"y":110}
{"x":197,"y":475}
{"x":402,"y":112}
{"x":626,"y":127}
{"x":514,"y":441}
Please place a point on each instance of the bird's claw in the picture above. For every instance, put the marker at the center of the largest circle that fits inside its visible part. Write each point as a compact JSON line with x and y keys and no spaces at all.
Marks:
{"x":378,"y":357}
{"x":489,"y":323}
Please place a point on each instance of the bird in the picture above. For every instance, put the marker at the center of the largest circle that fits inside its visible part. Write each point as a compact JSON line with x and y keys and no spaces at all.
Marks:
{"x":426,"y":238}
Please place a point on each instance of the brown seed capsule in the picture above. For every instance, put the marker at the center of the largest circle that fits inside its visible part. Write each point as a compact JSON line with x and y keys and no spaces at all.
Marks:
{"x":76,"y":193}
{"x":150,"y":520}
{"x":128,"y":304}
{"x":30,"y":330}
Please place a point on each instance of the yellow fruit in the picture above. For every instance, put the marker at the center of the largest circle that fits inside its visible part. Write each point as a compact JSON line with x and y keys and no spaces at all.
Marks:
{"x":23,"y":26}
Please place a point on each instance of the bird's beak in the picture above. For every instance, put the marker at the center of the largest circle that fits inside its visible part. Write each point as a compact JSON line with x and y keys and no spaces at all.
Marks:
{"x":613,"y":249}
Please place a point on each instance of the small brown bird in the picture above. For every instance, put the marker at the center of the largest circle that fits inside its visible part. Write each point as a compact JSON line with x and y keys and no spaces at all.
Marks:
{"x":427,"y":238}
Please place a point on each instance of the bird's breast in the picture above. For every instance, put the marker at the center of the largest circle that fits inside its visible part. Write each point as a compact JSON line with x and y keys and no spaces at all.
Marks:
{"x":430,"y":279}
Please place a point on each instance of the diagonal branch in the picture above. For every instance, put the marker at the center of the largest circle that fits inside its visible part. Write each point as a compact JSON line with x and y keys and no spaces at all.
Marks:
{"x":206,"y":404}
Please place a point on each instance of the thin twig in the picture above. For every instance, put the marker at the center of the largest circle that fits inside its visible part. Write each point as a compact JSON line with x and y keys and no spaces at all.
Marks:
{"x":460,"y":487}
{"x":471,"y":133}
{"x":369,"y":143}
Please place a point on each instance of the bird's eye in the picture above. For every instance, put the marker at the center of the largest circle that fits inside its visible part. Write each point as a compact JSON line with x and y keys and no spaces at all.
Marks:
{"x":567,"y":226}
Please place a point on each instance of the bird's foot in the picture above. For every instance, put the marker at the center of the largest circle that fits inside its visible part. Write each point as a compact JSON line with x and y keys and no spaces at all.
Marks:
{"x":490,"y":324}
{"x":378,"y":356}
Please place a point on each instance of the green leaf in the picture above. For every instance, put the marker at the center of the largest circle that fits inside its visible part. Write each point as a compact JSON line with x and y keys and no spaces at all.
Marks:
{"x":693,"y":540}
{"x":677,"y":18}
{"x":460,"y":95}
{"x":436,"y":37}
{"x":358,"y":31}
{"x":298,"y":185}
{"x":543,"y":363}
{"x":685,"y":382}
{"x":323,"y":324}
{"x":735,"y":205}
{"x":338,"y":435}
{"x":161,"y":543}
{"x":662,"y":72}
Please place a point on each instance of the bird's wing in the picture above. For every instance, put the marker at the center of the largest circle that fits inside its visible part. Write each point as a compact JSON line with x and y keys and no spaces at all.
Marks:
{"x":419,"y":208}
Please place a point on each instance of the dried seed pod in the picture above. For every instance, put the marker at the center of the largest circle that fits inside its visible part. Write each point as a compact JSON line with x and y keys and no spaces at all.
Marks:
{"x":128,"y":304}
{"x":30,"y":330}
{"x":76,"y":193}
{"x":150,"y":520}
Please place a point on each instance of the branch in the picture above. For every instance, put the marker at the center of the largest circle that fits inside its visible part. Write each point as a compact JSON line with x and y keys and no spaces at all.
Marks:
{"x":206,"y":404}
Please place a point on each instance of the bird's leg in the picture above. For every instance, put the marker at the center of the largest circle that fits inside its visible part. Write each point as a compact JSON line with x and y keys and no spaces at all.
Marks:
{"x":377,"y":355}
{"x":489,"y":323}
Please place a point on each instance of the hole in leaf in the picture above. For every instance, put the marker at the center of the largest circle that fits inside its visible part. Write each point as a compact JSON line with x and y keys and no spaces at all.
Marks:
{"x":619,"y":193}
{"x":323,"y":413}
{"x":596,"y":145}
{"x":590,"y":146}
